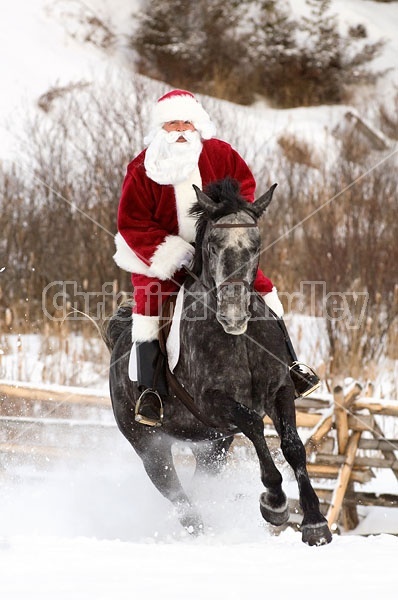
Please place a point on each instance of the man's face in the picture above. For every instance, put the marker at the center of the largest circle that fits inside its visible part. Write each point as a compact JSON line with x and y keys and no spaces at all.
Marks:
{"x":179,"y":126}
{"x":168,"y":162}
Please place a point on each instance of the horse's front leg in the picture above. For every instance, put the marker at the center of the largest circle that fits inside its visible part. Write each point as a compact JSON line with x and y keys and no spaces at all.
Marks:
{"x":314,"y":527}
{"x":155,"y":453}
{"x":273,"y":502}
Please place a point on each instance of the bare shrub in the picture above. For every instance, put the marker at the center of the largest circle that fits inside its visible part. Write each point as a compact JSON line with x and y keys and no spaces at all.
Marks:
{"x":349,"y":244}
{"x":82,"y":22}
{"x":59,"y":206}
{"x":358,"y":31}
{"x":298,"y":151}
{"x":46,"y":100}
{"x":388,"y":116}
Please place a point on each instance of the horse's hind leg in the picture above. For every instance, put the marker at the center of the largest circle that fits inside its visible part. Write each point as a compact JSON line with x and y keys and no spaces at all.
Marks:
{"x":315,"y":530}
{"x":158,"y":463}
{"x":211,"y":456}
{"x":153,"y":447}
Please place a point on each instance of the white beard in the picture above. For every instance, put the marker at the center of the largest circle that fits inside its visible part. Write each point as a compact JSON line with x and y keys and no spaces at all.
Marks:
{"x":169,"y":162}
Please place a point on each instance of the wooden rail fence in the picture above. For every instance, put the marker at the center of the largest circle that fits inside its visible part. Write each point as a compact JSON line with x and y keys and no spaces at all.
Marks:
{"x":346,"y":444}
{"x":342,"y":432}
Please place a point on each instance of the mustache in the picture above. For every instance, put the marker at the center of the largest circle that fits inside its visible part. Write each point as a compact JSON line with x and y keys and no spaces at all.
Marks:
{"x":173,"y":136}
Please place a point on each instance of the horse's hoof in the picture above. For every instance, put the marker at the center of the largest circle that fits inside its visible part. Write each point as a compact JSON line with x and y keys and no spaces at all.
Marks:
{"x":276,"y":515}
{"x":192,"y":523}
{"x":317,"y":534}
{"x":195,"y":529}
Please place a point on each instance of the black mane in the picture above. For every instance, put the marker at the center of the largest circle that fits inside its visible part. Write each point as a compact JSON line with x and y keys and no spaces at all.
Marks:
{"x":225,"y":193}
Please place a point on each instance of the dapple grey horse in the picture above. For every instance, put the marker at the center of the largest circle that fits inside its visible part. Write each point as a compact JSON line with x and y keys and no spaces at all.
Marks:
{"x":233,"y":362}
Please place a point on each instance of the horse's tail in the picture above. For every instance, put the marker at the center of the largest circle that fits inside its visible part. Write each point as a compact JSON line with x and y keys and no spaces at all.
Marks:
{"x":117,"y":324}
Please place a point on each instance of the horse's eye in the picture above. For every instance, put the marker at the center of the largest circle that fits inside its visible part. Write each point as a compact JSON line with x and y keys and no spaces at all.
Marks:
{"x":211,"y":249}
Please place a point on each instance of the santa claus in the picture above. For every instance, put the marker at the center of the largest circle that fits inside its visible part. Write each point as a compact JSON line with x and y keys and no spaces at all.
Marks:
{"x":155,"y":228}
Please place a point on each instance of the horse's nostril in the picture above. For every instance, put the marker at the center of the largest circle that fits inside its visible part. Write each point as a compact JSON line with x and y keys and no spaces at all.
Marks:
{"x":233,"y":323}
{"x":235,"y":318}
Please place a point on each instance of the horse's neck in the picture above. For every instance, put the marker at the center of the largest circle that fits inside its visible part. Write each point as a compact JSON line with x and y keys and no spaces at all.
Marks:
{"x":198,"y":282}
{"x":202,"y":291}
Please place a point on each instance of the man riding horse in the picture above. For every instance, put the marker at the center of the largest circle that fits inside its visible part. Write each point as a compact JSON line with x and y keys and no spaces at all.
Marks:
{"x":156,"y":229}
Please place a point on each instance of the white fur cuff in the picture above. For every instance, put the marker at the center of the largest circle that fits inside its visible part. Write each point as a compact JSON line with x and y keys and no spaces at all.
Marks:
{"x":145,"y":329}
{"x":126,"y":258}
{"x":168,"y":257}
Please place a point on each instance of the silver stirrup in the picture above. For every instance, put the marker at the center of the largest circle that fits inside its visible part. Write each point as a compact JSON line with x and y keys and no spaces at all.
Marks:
{"x":146,"y":420}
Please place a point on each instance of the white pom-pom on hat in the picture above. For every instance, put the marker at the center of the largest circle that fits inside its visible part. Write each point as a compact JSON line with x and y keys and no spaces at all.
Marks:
{"x":181,"y":105}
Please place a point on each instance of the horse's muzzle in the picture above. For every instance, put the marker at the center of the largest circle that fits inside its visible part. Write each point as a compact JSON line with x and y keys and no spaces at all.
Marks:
{"x":233,"y":308}
{"x":234,"y":328}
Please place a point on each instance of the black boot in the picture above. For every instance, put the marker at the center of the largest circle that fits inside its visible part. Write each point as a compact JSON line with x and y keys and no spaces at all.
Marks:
{"x":151,"y":379}
{"x":305,"y":380}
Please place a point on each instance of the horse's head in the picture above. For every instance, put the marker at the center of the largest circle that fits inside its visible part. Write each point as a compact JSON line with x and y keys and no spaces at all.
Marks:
{"x":228,"y":249}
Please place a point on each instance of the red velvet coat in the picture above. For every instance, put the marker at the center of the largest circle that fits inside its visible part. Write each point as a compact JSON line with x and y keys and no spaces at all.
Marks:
{"x":155,"y":229}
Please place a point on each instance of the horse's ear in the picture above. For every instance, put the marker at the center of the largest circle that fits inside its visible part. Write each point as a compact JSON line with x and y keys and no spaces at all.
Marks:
{"x":260,"y":205}
{"x":205,"y":202}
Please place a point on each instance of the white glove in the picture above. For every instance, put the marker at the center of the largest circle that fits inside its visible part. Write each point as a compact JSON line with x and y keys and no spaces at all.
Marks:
{"x":187,"y":259}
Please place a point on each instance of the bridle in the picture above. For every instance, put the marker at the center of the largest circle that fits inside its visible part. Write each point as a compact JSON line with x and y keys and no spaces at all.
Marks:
{"x":229,"y":281}
{"x":217,"y":225}
{"x":234,"y":281}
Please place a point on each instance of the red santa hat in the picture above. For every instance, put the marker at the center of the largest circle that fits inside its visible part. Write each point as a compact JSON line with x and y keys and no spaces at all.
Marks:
{"x":180,"y":105}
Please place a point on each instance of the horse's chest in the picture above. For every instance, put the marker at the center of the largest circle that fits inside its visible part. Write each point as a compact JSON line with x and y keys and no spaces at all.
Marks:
{"x":219,"y":361}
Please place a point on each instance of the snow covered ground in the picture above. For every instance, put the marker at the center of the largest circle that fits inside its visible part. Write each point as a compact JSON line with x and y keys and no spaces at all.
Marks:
{"x":85,"y":569}
{"x":98,"y":529}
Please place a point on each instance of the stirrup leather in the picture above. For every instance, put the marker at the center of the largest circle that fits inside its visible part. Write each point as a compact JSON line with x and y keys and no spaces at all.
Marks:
{"x":311,"y":372}
{"x":147,"y":420}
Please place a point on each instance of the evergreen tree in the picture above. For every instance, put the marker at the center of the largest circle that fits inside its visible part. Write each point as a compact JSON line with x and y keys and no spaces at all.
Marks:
{"x":238,"y":49}
{"x":272,"y":48}
{"x":306,"y":61}
{"x":166,"y":38}
{"x":189,"y":44}
{"x":331,"y":61}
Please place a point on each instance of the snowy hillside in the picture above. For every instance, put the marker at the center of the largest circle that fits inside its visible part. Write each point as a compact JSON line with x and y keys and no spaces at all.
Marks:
{"x":47,"y":43}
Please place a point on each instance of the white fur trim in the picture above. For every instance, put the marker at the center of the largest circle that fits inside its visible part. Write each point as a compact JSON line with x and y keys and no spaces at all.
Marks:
{"x":272,"y":300}
{"x":133,"y":371}
{"x":173,"y":339}
{"x":185,"y":199}
{"x":168,"y":257}
{"x":183,"y":108}
{"x":145,"y":329}
{"x":126,"y":258}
